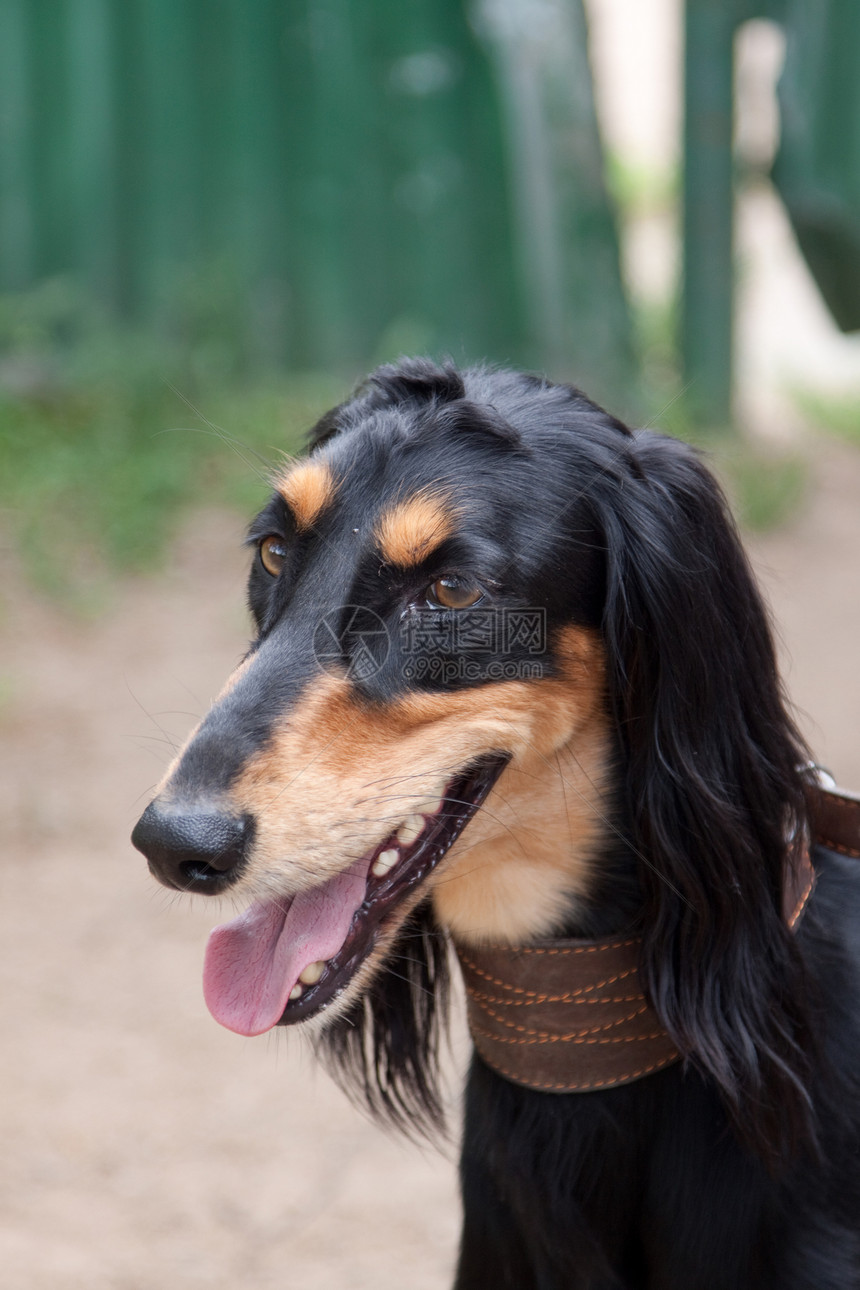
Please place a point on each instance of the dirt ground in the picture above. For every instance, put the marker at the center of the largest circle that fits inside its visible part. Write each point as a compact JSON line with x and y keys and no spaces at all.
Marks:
{"x":144,"y":1146}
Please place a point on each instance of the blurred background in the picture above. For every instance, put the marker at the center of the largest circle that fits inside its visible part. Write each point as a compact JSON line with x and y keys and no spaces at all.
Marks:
{"x":216,"y":215}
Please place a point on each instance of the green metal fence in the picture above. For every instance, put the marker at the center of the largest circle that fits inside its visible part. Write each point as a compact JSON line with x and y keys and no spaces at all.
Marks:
{"x":818,"y":168}
{"x":368,"y":175}
{"x":817,"y":172}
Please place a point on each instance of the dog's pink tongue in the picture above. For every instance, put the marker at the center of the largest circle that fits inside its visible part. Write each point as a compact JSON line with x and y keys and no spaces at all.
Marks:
{"x":253,"y":962}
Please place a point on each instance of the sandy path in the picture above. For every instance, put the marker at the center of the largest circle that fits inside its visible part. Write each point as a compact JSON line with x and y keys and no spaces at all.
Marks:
{"x":144,"y":1147}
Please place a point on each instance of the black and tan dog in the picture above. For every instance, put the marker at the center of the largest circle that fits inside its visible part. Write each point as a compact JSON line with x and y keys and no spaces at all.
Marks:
{"x":512,"y":681}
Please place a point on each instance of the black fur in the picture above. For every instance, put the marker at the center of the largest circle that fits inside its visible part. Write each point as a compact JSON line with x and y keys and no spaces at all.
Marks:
{"x":740,"y":1168}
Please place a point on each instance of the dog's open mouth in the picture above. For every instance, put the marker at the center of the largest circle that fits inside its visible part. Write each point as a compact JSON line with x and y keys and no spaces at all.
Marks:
{"x":285,"y":960}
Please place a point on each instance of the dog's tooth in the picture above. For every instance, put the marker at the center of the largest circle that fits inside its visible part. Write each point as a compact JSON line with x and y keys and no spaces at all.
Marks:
{"x":384,"y":861}
{"x":410,"y":829}
{"x":312,"y":973}
{"x":429,"y":806}
{"x":296,"y":992}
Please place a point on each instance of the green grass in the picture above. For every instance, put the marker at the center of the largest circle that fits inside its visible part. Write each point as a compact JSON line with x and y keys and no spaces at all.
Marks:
{"x":836,"y":415}
{"x":106,"y":436}
{"x":766,"y":488}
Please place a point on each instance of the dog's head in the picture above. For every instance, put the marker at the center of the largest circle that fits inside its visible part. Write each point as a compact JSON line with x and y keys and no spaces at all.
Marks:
{"x":499,"y":641}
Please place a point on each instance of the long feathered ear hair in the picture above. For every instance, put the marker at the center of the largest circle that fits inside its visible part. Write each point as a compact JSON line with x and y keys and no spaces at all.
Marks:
{"x":713,"y":786}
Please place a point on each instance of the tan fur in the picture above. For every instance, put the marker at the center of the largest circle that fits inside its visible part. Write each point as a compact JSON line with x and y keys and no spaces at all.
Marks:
{"x":409,"y":530}
{"x":527,"y":856}
{"x":339,"y":776}
{"x":528,"y":853}
{"x":308,"y":489}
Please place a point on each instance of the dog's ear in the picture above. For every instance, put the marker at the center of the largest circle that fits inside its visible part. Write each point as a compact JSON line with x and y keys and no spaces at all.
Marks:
{"x":713,"y":786}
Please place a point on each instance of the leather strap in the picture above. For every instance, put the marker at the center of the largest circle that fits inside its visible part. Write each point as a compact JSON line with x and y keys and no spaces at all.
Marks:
{"x":834,"y":816}
{"x":563,"y":1017}
{"x":567,"y":1016}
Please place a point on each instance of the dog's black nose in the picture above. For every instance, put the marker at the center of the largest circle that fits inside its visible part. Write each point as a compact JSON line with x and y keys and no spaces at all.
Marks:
{"x":193,"y":850}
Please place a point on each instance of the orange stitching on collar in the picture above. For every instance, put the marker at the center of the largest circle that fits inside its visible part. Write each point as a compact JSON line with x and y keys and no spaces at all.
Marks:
{"x":574,"y":1034}
{"x":840,"y":847}
{"x":573,"y":1038}
{"x":575,"y":949}
{"x":802,"y":902}
{"x":553,"y":998}
{"x":516,"y":989}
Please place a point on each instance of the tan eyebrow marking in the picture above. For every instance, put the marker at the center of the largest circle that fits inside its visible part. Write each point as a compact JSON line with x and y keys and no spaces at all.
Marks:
{"x":410,"y":529}
{"x":308,"y":489}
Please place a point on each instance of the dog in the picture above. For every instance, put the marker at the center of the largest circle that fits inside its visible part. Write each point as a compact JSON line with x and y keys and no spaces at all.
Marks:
{"x":512,"y":687}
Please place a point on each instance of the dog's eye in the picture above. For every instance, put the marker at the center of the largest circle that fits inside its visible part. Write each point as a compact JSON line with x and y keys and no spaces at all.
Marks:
{"x":273,"y":553}
{"x":454,"y":593}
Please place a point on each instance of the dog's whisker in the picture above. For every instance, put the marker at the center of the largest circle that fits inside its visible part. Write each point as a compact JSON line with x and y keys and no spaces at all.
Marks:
{"x":682,"y":393}
{"x":389,"y":971}
{"x":237,"y":445}
{"x":564,"y":800}
{"x":164,"y":734}
{"x":391,"y":780}
{"x":442,"y":775}
{"x":178,"y":712}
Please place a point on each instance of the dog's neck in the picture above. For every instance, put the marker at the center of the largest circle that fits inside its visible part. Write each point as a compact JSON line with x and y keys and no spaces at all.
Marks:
{"x":546,"y":856}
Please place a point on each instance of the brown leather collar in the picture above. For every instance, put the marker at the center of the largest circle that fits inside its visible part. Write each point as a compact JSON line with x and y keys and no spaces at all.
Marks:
{"x":569,"y":1016}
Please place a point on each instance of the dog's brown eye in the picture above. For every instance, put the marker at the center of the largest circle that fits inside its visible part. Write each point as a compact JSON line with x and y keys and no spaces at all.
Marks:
{"x":273,"y":553}
{"x":454,"y":593}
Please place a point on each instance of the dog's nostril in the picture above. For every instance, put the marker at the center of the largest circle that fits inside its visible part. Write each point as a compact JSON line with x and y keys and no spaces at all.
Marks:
{"x":195,"y":871}
{"x":193,"y":850}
